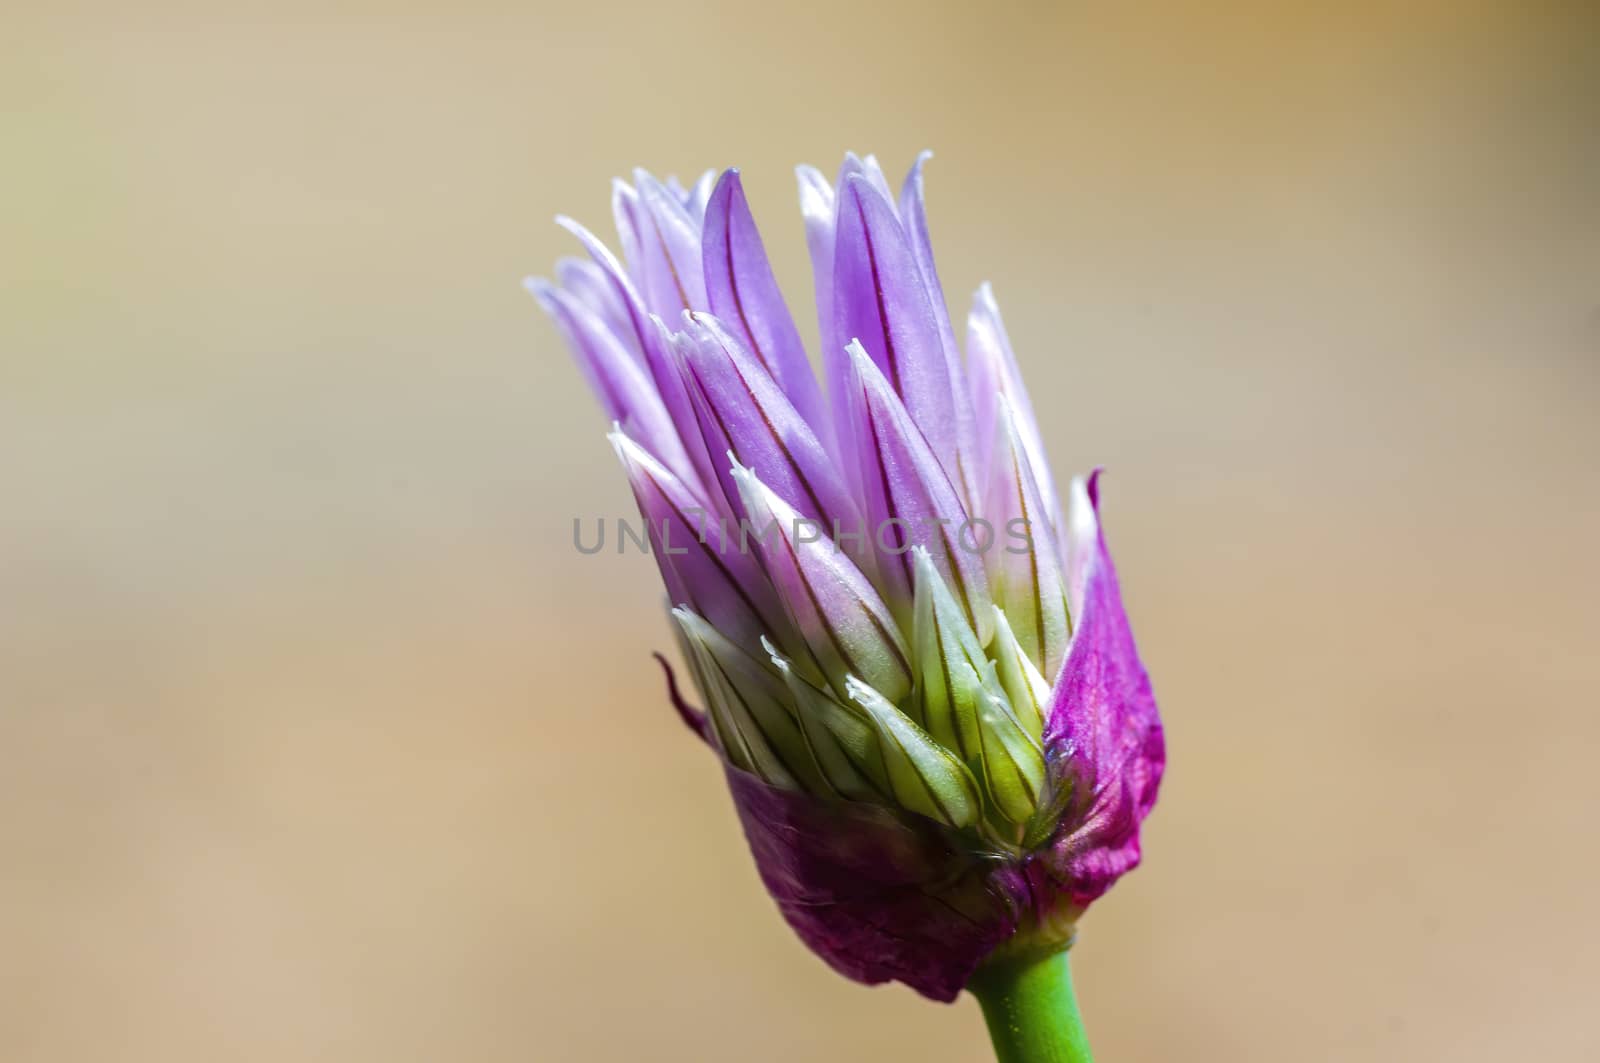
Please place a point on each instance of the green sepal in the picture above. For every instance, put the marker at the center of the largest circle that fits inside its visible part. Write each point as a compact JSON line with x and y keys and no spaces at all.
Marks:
{"x":842,"y":743}
{"x":1026,"y":687}
{"x":1029,"y":584}
{"x":751,"y":711}
{"x":1012,"y":766}
{"x":949,"y":663}
{"x":923,"y":776}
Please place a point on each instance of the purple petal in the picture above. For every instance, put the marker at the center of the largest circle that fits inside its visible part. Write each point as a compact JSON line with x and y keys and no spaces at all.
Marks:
{"x":704,"y":432}
{"x":835,"y":609}
{"x":752,"y":714}
{"x":1028,"y":584}
{"x":992,"y":371}
{"x":720,"y":582}
{"x":589,"y":285}
{"x":699,"y":195}
{"x":879,"y":298}
{"x":866,"y":167}
{"x":1080,"y":541}
{"x":914,"y":218}
{"x":877,"y":895}
{"x":651,"y":338}
{"x":743,"y":292}
{"x":817,"y":208}
{"x":626,"y":393}
{"x":909,"y":501}
{"x":616,"y":277}
{"x":743,"y":411}
{"x":668,"y":268}
{"x":625,"y":215}
{"x":1103,"y":735}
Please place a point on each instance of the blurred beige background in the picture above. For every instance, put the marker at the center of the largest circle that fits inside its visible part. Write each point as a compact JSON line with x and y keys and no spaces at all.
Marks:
{"x":319,"y":742}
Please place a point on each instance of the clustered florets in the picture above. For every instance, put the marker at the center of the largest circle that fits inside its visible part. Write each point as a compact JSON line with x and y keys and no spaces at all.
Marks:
{"x":874,"y":584}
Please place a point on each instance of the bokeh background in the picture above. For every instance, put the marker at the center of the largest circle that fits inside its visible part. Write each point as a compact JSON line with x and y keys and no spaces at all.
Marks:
{"x":318,"y":741}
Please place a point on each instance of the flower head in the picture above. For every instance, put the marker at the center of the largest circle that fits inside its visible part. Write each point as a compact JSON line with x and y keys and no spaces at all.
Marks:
{"x":910,"y":645}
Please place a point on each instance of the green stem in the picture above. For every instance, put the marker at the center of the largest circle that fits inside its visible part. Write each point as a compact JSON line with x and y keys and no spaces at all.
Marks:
{"x":1031,"y":1010}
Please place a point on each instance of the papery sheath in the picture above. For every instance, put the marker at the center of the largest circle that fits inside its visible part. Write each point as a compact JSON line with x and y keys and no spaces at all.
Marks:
{"x":881,"y":897}
{"x":1103,"y":734}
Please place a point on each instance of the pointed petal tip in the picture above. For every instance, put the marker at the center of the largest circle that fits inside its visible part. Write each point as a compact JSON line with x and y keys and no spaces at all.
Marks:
{"x":541,"y":289}
{"x":914,"y":175}
{"x":983,"y":304}
{"x":591,"y":243}
{"x":691,"y":623}
{"x":729,"y":186}
{"x":855,"y":180}
{"x":863,"y":372}
{"x":757,"y":497}
{"x":649,"y":186}
{"x":817,"y":200}
{"x":643,"y":178}
{"x":632,"y":455}
{"x":620,"y":443}
{"x":811,"y":178}
{"x":870,"y":376}
{"x":772,"y":651}
{"x":754,"y":495}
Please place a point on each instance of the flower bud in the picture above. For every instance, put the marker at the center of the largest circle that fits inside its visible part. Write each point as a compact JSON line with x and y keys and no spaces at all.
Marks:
{"x":941,"y":745}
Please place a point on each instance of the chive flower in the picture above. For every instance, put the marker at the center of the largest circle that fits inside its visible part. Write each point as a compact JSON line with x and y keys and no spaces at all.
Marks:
{"x":908,"y":640}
